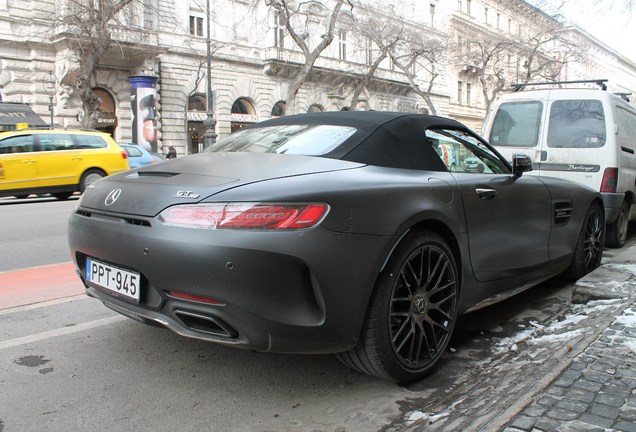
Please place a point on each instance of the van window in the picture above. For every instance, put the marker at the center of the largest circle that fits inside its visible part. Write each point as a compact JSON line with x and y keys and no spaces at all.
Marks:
{"x":516,"y":124}
{"x":576,"y":124}
{"x":51,"y":142}
{"x":17,"y":144}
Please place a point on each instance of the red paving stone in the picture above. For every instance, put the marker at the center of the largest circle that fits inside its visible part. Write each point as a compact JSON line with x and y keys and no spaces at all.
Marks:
{"x":38,"y":284}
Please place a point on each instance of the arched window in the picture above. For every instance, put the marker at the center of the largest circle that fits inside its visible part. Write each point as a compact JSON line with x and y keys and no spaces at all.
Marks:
{"x":279,"y":109}
{"x":197,"y":102}
{"x":315,"y":108}
{"x":243,"y":113}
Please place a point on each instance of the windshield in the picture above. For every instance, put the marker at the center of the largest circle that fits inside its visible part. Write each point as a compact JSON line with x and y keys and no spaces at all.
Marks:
{"x":309,"y":140}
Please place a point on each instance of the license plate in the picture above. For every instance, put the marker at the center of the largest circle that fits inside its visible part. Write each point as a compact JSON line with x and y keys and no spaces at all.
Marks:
{"x":122,"y":282}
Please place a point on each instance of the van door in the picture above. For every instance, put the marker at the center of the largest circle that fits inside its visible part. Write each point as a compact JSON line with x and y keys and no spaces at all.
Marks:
{"x":575,"y":134}
{"x":18,"y":163}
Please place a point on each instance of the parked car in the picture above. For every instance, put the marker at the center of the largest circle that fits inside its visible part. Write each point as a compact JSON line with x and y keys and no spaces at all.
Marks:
{"x":587,"y":135}
{"x":138,"y":156}
{"x":473,"y":164}
{"x":59,"y":162}
{"x":157,"y":157}
{"x":333,"y":232}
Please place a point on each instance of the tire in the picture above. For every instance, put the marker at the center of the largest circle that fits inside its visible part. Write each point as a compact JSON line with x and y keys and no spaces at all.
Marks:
{"x":616,"y":234}
{"x":412,"y":311}
{"x":89,"y":177}
{"x":62,"y":195}
{"x":21,"y":196}
{"x":589,"y":246}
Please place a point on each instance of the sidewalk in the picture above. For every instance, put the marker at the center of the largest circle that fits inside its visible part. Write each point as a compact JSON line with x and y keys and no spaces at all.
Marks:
{"x":597,"y":389}
{"x":575,"y":373}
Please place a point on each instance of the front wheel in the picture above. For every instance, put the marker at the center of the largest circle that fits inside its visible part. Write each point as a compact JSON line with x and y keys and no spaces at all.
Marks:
{"x":589,"y":246}
{"x":412,"y":312}
{"x":617,"y":231}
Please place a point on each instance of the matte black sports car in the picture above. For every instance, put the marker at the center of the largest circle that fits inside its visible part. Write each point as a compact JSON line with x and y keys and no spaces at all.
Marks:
{"x":340,"y":232}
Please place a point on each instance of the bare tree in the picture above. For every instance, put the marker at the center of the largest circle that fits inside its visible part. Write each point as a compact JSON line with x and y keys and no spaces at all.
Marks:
{"x":296,"y":16}
{"x":420,"y":58}
{"x":88,"y":25}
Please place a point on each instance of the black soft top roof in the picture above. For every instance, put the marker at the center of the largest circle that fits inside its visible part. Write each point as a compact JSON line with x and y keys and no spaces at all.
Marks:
{"x":382,"y":138}
{"x":361,"y":120}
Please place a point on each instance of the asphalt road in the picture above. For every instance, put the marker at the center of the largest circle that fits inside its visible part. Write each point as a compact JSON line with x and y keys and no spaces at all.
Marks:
{"x":73,"y":365}
{"x":33,"y":231}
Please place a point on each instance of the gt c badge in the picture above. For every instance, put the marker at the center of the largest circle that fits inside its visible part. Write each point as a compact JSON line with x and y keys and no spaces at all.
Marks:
{"x":112,"y":196}
{"x":186,"y":194}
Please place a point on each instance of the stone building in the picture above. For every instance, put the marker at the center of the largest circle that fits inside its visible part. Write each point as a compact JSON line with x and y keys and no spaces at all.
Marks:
{"x":163,"y":45}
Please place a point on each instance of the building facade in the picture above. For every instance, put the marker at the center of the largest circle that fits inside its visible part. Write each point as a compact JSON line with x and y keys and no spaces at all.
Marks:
{"x":159,"y":53}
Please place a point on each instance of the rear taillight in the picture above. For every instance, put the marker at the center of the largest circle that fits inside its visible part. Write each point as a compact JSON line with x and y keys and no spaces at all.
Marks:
{"x":260,"y":216}
{"x":610,"y":180}
{"x":124,"y":154}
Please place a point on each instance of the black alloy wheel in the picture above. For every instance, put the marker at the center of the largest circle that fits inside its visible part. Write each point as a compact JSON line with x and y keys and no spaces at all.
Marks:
{"x":422,"y":307}
{"x":412,"y":312}
{"x":589,"y":247}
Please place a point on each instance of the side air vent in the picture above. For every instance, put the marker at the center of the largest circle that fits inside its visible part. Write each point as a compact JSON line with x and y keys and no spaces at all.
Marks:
{"x":116,"y":219}
{"x":562,"y":212}
{"x":205,"y":323}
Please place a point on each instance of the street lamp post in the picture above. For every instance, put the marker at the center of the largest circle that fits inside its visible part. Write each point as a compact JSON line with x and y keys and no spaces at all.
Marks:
{"x":209,"y":137}
{"x":50,"y":84}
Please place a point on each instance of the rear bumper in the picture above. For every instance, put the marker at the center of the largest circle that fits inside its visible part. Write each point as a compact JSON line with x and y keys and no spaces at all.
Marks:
{"x":613,"y":203}
{"x":286,"y":292}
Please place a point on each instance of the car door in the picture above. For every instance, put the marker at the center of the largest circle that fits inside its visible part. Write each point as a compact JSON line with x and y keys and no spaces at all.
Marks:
{"x":59,"y":163}
{"x":507,"y":217}
{"x":18,"y":163}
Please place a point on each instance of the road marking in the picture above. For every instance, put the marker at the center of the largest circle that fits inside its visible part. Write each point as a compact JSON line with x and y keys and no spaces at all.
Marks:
{"x":60,"y":332}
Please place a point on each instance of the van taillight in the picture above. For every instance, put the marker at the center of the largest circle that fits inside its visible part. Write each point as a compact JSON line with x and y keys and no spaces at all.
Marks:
{"x":124,"y":154}
{"x":610,"y":180}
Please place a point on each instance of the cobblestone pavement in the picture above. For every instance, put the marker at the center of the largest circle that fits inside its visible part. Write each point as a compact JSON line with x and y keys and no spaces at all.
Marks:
{"x":574,"y":373}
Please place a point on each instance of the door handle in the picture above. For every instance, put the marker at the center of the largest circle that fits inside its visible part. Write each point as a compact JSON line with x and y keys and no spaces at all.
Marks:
{"x":544,"y":155}
{"x":486,"y":193}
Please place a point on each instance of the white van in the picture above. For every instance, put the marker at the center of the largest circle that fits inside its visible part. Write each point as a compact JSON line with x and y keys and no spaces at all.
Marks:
{"x":587,"y":135}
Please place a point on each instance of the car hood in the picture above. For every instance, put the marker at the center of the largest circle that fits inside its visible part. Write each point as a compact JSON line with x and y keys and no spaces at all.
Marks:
{"x":148,"y":190}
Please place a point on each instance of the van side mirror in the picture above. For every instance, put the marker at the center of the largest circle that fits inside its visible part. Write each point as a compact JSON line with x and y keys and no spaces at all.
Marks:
{"x":521,"y":163}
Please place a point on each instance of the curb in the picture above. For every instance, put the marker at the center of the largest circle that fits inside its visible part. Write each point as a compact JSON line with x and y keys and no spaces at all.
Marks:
{"x":613,"y":280}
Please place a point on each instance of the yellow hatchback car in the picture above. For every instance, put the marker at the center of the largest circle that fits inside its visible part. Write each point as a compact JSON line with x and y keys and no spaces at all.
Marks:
{"x":59,"y":162}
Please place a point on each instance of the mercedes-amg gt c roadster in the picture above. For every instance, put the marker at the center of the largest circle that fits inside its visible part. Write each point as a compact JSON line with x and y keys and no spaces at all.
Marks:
{"x":356,"y":233}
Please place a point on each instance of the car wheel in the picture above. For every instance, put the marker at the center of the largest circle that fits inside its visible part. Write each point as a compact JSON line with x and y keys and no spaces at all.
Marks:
{"x":21,"y":196}
{"x":589,"y":246}
{"x":90,"y":177}
{"x":62,"y":195}
{"x":412,"y":311}
{"x":617,"y":231}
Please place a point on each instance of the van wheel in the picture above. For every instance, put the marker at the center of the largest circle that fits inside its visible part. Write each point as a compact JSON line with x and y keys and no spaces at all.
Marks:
{"x":411,"y":313}
{"x":589,"y":247}
{"x":617,"y":232}
{"x":90,"y":177}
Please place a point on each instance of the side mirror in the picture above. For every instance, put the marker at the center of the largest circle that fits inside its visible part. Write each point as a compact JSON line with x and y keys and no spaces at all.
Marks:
{"x":521,"y":163}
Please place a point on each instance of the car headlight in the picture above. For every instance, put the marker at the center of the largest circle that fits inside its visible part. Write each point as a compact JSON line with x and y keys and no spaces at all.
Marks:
{"x":262,"y":216}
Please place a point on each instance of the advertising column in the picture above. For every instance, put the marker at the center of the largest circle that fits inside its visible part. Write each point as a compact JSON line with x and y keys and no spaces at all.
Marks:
{"x":143,"y":103}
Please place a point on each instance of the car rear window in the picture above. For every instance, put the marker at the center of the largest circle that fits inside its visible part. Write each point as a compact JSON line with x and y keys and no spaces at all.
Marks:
{"x":133,"y":152}
{"x":51,"y":142}
{"x":516,"y":124}
{"x":90,"y":141}
{"x":309,"y":140}
{"x":577,"y":124}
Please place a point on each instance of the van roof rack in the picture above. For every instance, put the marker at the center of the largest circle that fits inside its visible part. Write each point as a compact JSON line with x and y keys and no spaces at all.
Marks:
{"x":598,"y":82}
{"x":624,"y":95}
